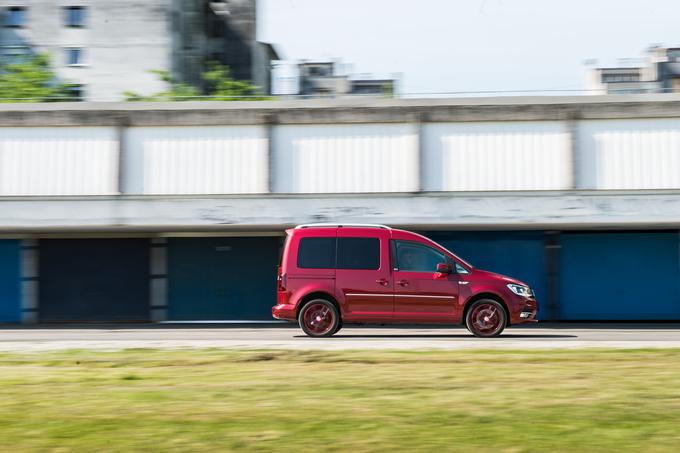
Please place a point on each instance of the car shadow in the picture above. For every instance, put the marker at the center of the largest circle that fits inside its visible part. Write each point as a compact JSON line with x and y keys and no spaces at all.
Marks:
{"x":503,"y":336}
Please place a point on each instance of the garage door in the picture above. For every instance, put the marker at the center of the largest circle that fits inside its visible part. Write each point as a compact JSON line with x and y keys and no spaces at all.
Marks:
{"x":619,"y":276}
{"x":94,"y":280}
{"x":222,"y":278}
{"x":10,"y":299}
{"x":517,"y":254}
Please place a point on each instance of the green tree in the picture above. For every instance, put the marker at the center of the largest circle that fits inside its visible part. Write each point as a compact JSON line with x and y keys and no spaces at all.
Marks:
{"x":176,"y":91}
{"x":31,"y":80}
{"x":221,"y":86}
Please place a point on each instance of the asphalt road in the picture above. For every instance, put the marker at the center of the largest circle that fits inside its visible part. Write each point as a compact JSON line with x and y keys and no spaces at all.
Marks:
{"x":538,"y":336}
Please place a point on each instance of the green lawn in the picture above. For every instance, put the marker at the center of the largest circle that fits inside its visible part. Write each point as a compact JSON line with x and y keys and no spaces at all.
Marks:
{"x":214,"y":400}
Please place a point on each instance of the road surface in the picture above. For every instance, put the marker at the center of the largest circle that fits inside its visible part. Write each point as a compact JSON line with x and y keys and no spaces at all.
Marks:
{"x":21,"y":339}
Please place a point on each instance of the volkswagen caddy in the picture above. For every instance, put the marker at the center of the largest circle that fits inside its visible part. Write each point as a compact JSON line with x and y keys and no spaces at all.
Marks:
{"x":364,"y":274}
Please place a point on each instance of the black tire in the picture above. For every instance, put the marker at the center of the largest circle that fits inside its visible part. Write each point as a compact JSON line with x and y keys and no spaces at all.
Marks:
{"x":486,"y":318}
{"x":319,"y":318}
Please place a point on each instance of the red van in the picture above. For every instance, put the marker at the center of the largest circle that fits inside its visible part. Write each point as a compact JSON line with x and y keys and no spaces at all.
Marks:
{"x":335,"y":274}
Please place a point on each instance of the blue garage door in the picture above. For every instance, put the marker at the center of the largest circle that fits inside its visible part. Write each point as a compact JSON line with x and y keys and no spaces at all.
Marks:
{"x":94,"y":280}
{"x":620,"y":276}
{"x":222,"y":278}
{"x":10,"y":295}
{"x":517,"y":254}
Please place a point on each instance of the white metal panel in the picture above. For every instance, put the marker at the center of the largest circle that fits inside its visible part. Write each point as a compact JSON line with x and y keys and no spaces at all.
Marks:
{"x":196,"y":160}
{"x":58,"y":161}
{"x":631,"y":153}
{"x":346,"y":158}
{"x":527,"y":155}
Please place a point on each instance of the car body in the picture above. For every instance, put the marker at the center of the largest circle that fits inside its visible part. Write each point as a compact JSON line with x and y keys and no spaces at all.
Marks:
{"x":365,"y":274}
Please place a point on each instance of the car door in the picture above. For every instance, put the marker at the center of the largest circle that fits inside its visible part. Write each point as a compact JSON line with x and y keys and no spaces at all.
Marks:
{"x":362,"y":275}
{"x":420,"y":293}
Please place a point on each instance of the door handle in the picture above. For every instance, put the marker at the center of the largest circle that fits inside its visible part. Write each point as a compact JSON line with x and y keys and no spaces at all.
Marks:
{"x":402,"y":283}
{"x":382,"y":281}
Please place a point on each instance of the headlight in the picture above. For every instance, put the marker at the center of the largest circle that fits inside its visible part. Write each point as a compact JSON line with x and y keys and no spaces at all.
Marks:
{"x":520,"y":290}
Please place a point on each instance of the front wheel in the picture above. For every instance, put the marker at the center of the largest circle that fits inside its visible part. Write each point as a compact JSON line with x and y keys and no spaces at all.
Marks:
{"x":486,"y":318}
{"x":319,"y":318}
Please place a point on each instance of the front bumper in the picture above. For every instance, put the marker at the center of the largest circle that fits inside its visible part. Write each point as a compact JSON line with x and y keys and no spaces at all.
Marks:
{"x":523,"y":309}
{"x":528,"y":316}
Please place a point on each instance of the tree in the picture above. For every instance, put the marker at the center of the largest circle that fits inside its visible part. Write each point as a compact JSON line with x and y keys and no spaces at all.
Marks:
{"x":177,"y":91}
{"x":221,"y":86}
{"x":31,"y":80}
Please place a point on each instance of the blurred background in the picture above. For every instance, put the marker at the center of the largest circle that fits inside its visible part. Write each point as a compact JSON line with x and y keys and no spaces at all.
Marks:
{"x":153,"y":153}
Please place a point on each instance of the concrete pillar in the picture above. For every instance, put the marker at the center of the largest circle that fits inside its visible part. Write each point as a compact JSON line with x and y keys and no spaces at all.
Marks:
{"x":270,"y":125}
{"x":158,"y":280}
{"x":553,"y":248}
{"x":121,"y":134}
{"x":29,"y":281}
{"x":420,"y":125}
{"x":576,"y":161}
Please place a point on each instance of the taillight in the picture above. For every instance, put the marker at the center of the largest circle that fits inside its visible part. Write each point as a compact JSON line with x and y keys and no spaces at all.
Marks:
{"x":281,"y":280}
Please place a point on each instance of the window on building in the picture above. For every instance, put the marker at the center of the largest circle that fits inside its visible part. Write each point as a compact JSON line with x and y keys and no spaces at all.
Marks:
{"x":316,"y":253}
{"x":15,"y":54}
{"x":74,"y":56}
{"x":15,"y":17}
{"x":74,"y":16}
{"x":75,"y":92}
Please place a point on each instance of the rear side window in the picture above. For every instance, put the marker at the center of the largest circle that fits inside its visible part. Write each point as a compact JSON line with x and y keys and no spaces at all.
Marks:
{"x":358,"y":253}
{"x":316,"y":253}
{"x":340,"y":253}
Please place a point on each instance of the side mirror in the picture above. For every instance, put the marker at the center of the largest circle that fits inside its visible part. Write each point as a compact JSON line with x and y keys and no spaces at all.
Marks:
{"x":444,"y":268}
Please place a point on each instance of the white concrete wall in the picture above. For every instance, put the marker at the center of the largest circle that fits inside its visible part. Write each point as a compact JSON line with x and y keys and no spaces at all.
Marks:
{"x":520,"y":155}
{"x":630,"y":154}
{"x":58,"y":161}
{"x":346,"y":158}
{"x":626,"y":154}
{"x":196,"y":160}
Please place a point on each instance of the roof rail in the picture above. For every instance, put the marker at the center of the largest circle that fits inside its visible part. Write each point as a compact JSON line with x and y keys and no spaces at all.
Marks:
{"x":340,"y":225}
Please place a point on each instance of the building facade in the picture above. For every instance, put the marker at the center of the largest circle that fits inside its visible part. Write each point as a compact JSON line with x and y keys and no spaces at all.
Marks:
{"x":177,"y":212}
{"x":659,"y":74}
{"x":325,"y":79}
{"x":106,"y":48}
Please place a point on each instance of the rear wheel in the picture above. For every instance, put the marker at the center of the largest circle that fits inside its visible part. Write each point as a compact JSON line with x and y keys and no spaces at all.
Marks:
{"x":486,"y":318}
{"x":319,"y":318}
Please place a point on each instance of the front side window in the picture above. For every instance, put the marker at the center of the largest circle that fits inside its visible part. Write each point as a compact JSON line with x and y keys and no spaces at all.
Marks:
{"x":316,"y":253}
{"x":415,"y":257}
{"x":74,"y":16}
{"x":358,"y":253}
{"x":15,"y":17}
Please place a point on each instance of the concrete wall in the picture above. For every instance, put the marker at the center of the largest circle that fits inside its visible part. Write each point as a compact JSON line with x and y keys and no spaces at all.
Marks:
{"x":512,"y":155}
{"x":58,"y":161}
{"x":195,"y":160}
{"x":522,"y":163}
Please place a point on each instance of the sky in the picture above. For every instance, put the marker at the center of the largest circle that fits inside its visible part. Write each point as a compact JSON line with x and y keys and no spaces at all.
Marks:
{"x":439,"y":46}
